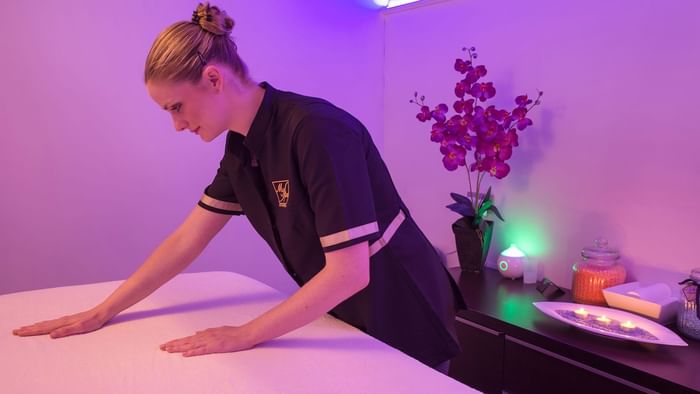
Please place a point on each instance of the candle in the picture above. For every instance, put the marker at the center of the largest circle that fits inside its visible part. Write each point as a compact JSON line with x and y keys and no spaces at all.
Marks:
{"x":603,"y":320}
{"x":627,"y":326}
{"x":581,"y":313}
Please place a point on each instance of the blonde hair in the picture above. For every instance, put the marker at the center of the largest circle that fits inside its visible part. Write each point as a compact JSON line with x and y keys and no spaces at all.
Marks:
{"x":182,"y":50}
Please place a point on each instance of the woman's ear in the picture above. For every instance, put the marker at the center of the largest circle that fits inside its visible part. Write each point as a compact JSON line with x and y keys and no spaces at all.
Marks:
{"x":213,"y":78}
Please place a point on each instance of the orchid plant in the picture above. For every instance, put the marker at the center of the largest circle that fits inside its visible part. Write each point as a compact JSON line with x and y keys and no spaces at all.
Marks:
{"x":490,"y":133}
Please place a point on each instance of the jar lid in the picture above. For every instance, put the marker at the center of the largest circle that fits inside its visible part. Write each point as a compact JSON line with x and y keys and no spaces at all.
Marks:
{"x":600,"y":251}
{"x":695,"y":274}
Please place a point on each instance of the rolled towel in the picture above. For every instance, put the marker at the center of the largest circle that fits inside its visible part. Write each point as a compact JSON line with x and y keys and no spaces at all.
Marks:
{"x":657,"y":292}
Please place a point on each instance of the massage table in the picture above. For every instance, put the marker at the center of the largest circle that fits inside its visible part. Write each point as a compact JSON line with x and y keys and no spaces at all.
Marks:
{"x":326,"y":356}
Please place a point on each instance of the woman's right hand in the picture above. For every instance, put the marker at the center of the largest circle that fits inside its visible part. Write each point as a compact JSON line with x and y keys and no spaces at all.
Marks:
{"x":78,"y":323}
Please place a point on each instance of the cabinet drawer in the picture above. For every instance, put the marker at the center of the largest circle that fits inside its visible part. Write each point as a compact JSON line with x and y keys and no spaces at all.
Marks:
{"x":530,"y":369}
{"x":480,"y":364}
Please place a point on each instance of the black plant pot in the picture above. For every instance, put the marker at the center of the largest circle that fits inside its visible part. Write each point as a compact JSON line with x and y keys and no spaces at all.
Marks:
{"x":472,"y":243}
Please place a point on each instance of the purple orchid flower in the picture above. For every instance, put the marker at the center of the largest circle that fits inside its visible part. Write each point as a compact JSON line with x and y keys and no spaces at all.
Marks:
{"x":512,"y":137}
{"x":474,"y":74}
{"x":464,"y":106}
{"x":487,"y":131}
{"x":467,"y":141}
{"x":449,"y":139}
{"x":478,"y":165}
{"x":439,"y":112}
{"x":519,"y":116}
{"x":483,"y":91}
{"x":502,"y":148}
{"x":454,"y":157}
{"x":522,"y":101}
{"x":453,"y":124}
{"x":524,"y":123}
{"x":464,"y":124}
{"x":461,"y":89}
{"x":462,"y":65}
{"x":496,"y":167}
{"x":424,"y":114}
{"x":437,"y":134}
{"x":498,"y":148}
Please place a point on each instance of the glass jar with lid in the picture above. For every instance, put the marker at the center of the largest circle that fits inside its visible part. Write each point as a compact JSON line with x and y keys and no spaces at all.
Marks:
{"x":598,"y":269}
{"x":688,"y":314}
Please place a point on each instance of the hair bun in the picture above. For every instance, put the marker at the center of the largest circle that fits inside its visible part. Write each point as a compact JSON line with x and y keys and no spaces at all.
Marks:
{"x":212,"y":19}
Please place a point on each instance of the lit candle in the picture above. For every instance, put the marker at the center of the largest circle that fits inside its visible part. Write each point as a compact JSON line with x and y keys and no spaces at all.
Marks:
{"x":603,"y":320}
{"x":581,"y":313}
{"x":627,"y":326}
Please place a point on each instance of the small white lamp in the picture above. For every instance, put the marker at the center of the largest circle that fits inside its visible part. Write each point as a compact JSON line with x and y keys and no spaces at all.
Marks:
{"x":511,"y":262}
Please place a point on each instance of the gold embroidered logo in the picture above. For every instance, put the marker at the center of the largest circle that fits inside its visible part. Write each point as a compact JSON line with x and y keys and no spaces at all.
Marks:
{"x":282,"y":190}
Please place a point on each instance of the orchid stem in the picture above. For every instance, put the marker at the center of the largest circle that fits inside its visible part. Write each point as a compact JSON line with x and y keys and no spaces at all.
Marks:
{"x":469,"y":178}
{"x":476,"y":197}
{"x":478,"y":185}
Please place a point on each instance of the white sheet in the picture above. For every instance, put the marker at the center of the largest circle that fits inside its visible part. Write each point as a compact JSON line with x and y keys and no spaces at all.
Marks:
{"x":327,"y":356}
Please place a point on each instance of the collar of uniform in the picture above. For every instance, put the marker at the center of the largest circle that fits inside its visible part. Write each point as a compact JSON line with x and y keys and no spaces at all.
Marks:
{"x":255,"y":139}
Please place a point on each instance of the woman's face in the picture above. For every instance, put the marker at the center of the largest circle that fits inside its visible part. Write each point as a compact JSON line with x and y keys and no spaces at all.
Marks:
{"x":195,"y":107}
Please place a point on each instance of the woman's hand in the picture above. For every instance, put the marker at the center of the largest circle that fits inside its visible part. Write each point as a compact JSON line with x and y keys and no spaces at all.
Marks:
{"x":212,"y":340}
{"x":78,"y":323}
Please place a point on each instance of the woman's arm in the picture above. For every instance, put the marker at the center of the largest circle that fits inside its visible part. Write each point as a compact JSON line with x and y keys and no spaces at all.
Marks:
{"x":174,"y":255}
{"x":346,"y":272}
{"x":169,"y":259}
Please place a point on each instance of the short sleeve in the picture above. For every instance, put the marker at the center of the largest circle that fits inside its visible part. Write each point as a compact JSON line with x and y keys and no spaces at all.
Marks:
{"x":333,"y":166}
{"x":219,"y":197}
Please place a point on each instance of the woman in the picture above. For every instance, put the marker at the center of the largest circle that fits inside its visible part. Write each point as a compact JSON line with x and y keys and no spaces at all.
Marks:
{"x":309,"y":178}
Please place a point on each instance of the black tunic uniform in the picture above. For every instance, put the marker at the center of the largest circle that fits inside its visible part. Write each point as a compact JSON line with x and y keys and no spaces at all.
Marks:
{"x":310,"y":180}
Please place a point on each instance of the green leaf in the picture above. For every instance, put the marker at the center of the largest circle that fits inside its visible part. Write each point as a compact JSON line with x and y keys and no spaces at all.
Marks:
{"x":486,"y":241}
{"x":495,"y":211}
{"x":488,"y":194}
{"x":485,"y":206}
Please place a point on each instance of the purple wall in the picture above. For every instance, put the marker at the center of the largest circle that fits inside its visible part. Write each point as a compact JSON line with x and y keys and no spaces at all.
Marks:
{"x":93,"y":176}
{"x":613,"y":151}
{"x":92,"y":173}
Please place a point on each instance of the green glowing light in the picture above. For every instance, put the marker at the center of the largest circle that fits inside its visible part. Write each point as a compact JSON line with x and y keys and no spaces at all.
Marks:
{"x":513,"y":251}
{"x":529,"y":231}
{"x":503,"y":265}
{"x":516,"y":308}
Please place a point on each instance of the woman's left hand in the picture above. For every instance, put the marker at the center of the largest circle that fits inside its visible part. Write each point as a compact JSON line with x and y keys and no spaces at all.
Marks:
{"x":212,"y":340}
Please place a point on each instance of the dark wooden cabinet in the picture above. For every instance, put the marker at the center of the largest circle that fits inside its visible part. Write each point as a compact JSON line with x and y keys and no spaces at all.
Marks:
{"x":485,"y":373}
{"x":535,"y":370}
{"x":509,"y":346}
